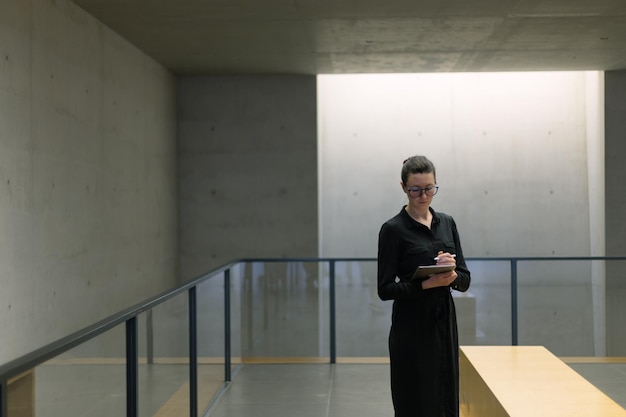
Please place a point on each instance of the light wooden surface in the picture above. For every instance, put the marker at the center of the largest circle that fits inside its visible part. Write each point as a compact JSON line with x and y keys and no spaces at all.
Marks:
{"x":21,"y":395}
{"x":527,"y":381}
{"x":178,"y":404}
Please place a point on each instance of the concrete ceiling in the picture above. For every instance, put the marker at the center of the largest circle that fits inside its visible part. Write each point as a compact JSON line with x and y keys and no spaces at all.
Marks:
{"x":370,"y":36}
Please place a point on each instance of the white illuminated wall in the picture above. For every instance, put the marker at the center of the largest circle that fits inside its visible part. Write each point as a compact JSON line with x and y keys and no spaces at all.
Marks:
{"x":519,"y":164}
{"x":510,"y":151}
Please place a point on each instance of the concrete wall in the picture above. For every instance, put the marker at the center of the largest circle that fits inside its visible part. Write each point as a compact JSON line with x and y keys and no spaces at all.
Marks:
{"x":510,"y":150}
{"x":615,"y":150}
{"x":87,"y":173}
{"x":248,"y":169}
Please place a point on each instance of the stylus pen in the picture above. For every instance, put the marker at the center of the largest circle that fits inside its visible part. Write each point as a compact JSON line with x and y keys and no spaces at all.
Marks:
{"x":437,"y":258}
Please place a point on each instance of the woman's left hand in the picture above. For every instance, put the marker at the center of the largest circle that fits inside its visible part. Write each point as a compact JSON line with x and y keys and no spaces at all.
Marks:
{"x":443,"y":279}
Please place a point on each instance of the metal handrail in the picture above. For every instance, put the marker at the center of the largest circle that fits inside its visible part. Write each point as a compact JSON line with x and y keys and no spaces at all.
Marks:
{"x":38,"y":356}
{"x":129,"y":317}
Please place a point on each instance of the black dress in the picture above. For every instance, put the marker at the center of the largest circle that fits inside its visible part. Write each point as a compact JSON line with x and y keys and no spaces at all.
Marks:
{"x":423,"y":341}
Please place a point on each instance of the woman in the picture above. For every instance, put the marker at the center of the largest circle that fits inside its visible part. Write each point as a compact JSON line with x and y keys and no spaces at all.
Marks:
{"x":423,"y":341}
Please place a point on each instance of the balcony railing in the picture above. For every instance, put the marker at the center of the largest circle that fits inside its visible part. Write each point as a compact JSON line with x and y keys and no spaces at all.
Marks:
{"x":305,"y":309}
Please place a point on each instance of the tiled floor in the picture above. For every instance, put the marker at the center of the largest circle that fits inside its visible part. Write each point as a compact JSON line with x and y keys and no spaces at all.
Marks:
{"x":307,"y":390}
{"x":347,"y":390}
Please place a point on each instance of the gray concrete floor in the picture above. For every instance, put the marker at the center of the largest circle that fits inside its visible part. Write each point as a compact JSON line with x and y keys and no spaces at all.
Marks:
{"x":609,"y":378}
{"x":307,"y":390}
{"x":348,"y":390}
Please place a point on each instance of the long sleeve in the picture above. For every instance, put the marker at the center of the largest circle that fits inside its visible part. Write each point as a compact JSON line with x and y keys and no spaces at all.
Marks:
{"x":390,"y":286}
{"x":463,"y":279}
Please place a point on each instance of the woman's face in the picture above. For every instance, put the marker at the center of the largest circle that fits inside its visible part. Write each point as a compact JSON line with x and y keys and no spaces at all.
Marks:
{"x":416,"y":184}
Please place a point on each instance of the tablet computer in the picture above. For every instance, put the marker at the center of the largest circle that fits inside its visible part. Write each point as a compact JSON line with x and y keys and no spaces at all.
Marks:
{"x":425,"y":271}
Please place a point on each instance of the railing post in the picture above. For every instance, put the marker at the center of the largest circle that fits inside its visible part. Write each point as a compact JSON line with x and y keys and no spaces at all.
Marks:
{"x":514,"y":302}
{"x":333,"y":317}
{"x":3,"y":399}
{"x":149,"y":338}
{"x":193,"y":354}
{"x":227,"y":345}
{"x":132,"y":364}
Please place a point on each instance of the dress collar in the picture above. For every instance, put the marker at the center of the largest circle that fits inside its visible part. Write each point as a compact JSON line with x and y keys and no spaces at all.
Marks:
{"x":410,"y":222}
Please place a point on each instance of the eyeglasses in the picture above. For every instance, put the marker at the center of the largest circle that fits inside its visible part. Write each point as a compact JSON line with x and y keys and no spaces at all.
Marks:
{"x":416,"y":192}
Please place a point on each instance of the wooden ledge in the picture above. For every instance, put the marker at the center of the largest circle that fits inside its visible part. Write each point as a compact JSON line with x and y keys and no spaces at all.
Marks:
{"x":527,"y":381}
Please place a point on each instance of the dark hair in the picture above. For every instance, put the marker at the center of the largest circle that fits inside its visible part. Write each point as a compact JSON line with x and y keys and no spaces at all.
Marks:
{"x":417,"y":164}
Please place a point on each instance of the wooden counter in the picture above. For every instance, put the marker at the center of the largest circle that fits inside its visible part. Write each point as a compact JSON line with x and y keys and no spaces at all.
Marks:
{"x":526,"y":381}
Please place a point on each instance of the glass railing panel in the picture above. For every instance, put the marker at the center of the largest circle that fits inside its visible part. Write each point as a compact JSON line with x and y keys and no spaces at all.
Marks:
{"x":210,"y":324}
{"x":573,"y":307}
{"x":615,"y":298}
{"x":279,"y":316}
{"x":89,"y":380}
{"x":484,"y":311}
{"x":164,"y":359}
{"x":363,"y":319}
{"x":559,"y":307}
